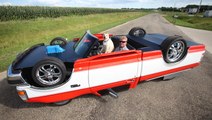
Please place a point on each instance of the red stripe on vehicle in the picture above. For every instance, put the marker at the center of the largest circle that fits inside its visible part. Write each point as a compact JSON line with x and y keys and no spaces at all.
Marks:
{"x":152,"y":55}
{"x":109,"y":59}
{"x":196,"y":48}
{"x":101,"y":36}
{"x":154,"y":75}
{"x":113,"y":61}
{"x":81,"y":65}
{"x":95,"y":65}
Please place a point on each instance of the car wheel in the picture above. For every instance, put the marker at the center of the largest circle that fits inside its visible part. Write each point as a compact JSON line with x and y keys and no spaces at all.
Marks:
{"x":59,"y":41}
{"x":49,"y":72}
{"x":137,"y":32}
{"x":60,"y":103}
{"x":174,"y":49}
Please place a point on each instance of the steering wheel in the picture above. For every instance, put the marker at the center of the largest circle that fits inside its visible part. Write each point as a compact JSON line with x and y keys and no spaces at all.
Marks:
{"x":96,"y":50}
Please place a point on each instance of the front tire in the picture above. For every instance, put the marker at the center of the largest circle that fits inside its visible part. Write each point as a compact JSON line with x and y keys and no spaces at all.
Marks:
{"x":49,"y":72}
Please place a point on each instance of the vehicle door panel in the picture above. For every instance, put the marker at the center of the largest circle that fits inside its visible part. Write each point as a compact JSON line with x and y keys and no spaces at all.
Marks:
{"x":113,"y":69}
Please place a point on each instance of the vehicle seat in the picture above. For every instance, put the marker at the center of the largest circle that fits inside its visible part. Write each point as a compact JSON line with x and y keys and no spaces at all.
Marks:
{"x":130,"y":47}
{"x":115,"y":40}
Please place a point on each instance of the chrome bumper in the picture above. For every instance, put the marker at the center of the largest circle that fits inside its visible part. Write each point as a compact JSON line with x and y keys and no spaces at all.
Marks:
{"x":14,"y":78}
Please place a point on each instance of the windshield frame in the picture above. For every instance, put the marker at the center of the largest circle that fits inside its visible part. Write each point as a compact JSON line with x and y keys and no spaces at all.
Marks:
{"x":79,"y":46}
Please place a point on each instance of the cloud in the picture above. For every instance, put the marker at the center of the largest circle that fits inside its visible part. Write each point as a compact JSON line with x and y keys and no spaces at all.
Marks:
{"x":6,"y":4}
{"x":48,"y":2}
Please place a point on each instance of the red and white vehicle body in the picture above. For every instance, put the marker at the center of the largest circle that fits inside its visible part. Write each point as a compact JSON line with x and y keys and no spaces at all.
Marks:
{"x":104,"y":71}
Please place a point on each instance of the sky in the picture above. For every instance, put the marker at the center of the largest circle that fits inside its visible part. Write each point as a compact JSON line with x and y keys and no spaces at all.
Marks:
{"x":106,"y":3}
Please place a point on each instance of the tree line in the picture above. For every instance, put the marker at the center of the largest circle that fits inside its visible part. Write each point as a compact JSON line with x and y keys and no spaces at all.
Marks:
{"x":203,"y":8}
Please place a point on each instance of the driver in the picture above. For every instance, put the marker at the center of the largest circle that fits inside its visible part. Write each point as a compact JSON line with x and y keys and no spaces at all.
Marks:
{"x":107,"y":44}
{"x":122,"y":44}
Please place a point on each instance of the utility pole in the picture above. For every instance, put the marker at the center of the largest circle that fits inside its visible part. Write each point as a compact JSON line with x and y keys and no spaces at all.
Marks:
{"x":200,"y":5}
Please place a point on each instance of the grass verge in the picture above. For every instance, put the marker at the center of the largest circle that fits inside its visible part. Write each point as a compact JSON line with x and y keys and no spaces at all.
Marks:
{"x":192,"y":21}
{"x":15,"y":36}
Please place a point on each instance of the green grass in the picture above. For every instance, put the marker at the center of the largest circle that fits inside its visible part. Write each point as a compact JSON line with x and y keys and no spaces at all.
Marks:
{"x":196,"y":21}
{"x":16,"y":36}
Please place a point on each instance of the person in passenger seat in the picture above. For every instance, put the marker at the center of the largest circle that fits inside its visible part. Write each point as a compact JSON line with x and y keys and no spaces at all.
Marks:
{"x":108,"y":45}
{"x":123,"y":44}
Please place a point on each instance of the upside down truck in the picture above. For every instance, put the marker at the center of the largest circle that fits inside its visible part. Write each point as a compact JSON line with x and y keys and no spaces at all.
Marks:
{"x":61,"y":71}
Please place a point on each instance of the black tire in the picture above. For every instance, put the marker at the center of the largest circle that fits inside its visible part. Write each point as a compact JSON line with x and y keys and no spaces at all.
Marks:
{"x":61,"y":103}
{"x":49,"y":72}
{"x":137,"y":32}
{"x":59,"y":41}
{"x":171,"y":54}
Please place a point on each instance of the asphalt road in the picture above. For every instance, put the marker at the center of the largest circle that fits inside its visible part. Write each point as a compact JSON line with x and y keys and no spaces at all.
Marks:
{"x":203,"y":36}
{"x":187,"y":97}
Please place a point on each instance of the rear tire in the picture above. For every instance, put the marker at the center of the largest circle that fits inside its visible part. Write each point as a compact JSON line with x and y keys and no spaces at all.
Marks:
{"x":49,"y":72}
{"x":174,"y":49}
{"x":137,"y":32}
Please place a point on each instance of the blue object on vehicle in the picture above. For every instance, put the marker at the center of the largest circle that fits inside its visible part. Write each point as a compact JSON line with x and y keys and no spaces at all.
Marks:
{"x":54,"y":49}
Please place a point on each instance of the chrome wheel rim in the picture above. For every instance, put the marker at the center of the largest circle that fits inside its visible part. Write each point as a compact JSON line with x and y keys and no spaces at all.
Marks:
{"x":175,"y":51}
{"x":58,"y":42}
{"x":49,"y":74}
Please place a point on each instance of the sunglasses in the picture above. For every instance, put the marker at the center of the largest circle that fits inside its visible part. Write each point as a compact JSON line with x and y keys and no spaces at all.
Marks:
{"x":123,"y":41}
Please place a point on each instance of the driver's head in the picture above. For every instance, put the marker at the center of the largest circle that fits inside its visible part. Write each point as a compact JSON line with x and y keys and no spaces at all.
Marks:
{"x":123,"y":41}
